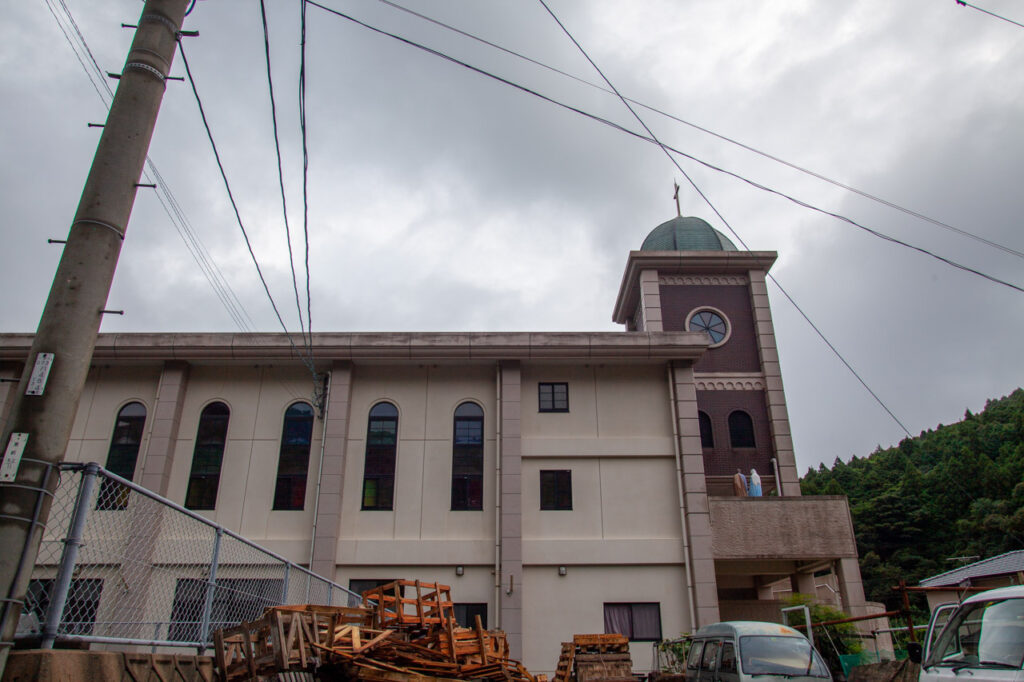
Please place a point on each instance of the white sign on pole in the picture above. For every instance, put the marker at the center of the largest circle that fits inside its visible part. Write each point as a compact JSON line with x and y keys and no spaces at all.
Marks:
{"x":12,"y":457}
{"x":40,"y":372}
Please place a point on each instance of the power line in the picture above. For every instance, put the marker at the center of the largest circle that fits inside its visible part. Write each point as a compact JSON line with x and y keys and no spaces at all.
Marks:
{"x":305,"y":166}
{"x":168,"y":202}
{"x":724,"y":138}
{"x":666,"y":148}
{"x":280,"y":173}
{"x":991,"y":14}
{"x":202,"y":113}
{"x":721,"y":217}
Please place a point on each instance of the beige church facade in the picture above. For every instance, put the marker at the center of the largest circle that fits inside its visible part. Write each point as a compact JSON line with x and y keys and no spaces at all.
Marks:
{"x":561,"y":483}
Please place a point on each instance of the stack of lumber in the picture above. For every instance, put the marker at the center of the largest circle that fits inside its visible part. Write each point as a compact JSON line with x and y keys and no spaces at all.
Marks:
{"x":592,"y":658}
{"x":392,"y":638}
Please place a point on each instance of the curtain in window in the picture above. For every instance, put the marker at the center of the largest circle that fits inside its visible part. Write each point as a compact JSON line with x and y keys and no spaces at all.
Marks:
{"x":646,"y":621}
{"x":618,"y":619}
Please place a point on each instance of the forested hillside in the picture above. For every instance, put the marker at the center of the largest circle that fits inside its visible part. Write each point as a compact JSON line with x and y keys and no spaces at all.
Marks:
{"x":954,"y":491}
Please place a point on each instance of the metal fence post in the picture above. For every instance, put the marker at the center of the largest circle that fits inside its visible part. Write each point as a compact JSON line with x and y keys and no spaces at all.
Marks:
{"x":204,"y":628}
{"x":69,"y":556}
{"x":284,"y":584}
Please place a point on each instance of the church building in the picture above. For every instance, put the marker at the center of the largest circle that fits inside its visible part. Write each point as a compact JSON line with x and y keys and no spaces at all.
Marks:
{"x":561,"y":483}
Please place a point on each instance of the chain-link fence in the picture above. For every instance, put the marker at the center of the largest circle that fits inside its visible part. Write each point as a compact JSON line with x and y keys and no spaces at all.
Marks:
{"x":120,"y":564}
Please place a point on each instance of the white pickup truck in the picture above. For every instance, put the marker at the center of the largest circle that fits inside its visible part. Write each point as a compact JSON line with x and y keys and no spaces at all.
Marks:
{"x":978,"y":640}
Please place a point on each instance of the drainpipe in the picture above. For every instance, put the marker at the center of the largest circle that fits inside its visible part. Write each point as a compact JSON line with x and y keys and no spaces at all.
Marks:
{"x":682,"y":503}
{"x":778,"y":479}
{"x":320,"y":472}
{"x":497,"y":503}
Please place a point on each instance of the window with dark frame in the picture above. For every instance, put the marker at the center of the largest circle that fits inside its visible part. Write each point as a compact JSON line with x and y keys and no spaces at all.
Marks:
{"x":234,"y":600}
{"x":360,"y":585}
{"x":465,"y":615}
{"x":122,"y":456}
{"x":293,"y":462}
{"x":83,"y":601}
{"x":707,"y":436}
{"x":741,"y":430}
{"x":556,"y":489}
{"x":553,"y":397}
{"x":211,"y":436}
{"x":468,"y":458}
{"x":639,"y":622}
{"x":381,"y":449}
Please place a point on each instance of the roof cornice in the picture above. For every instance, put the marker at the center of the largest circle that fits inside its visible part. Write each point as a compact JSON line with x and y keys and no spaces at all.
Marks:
{"x":397,"y":346}
{"x":682,"y":262}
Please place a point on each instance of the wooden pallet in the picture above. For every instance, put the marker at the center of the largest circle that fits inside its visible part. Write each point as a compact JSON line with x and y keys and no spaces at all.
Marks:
{"x":430,"y":605}
{"x":563,"y":671}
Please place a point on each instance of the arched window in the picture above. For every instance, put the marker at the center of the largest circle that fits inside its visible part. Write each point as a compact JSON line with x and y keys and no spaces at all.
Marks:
{"x":741,"y":430}
{"x":707,"y":437}
{"x":293,"y":464}
{"x":381,"y":446}
{"x":122,"y":455}
{"x":468,"y":458}
{"x":207,"y":457}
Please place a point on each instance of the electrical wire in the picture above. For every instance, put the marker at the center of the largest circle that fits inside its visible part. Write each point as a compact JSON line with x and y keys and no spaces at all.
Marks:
{"x":651,"y":139}
{"x":720,"y":216}
{"x":305,"y":165}
{"x":202,"y":113}
{"x":168,"y":202}
{"x":724,"y":138}
{"x":280,"y":173}
{"x":991,"y":14}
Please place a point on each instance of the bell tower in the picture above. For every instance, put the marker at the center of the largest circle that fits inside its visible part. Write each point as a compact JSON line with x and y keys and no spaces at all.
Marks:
{"x":688,"y":277}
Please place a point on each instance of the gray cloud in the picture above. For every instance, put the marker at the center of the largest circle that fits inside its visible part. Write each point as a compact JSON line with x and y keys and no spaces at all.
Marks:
{"x":442,"y":200}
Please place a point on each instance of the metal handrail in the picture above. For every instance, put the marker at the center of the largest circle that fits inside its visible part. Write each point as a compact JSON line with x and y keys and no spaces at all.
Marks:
{"x":80,"y":466}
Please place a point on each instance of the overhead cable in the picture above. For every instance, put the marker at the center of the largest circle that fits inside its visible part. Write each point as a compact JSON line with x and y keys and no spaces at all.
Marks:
{"x":280,"y":174}
{"x":721,"y":217}
{"x":724,"y":138}
{"x":165,"y":196}
{"x":216,"y":155}
{"x":305,"y":164}
{"x":649,"y":138}
{"x":991,"y":14}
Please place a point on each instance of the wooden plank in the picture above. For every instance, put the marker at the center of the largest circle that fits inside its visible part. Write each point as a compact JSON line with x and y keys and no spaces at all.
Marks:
{"x":373,"y":642}
{"x":247,"y":648}
{"x":419,"y":601}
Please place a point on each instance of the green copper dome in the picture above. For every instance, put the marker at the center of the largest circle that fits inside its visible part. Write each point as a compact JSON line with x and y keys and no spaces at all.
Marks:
{"x":686,"y":234}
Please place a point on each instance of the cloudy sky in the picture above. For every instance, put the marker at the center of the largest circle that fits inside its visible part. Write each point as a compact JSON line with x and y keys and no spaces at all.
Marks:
{"x":443,"y":200}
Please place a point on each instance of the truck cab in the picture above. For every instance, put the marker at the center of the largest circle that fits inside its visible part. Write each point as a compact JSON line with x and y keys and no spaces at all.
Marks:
{"x":978,"y":640}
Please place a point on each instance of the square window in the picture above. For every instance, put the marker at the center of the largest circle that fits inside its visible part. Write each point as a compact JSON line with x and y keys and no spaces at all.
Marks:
{"x":640,"y":622}
{"x":556,"y":489}
{"x":465,"y":615}
{"x":553,"y":397}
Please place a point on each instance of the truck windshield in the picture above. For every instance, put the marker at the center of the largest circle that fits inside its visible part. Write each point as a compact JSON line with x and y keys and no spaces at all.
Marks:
{"x":789,"y":656}
{"x":985,"y":634}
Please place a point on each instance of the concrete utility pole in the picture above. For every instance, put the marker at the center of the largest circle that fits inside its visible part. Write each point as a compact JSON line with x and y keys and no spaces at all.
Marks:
{"x":43,"y":407}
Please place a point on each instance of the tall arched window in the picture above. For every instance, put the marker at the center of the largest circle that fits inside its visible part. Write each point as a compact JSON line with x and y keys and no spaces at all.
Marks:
{"x":122,"y":455}
{"x":293,"y":464}
{"x":741,"y":430}
{"x":379,"y":468}
{"x":211,"y":436}
{"x":707,"y":436}
{"x":468,"y":458}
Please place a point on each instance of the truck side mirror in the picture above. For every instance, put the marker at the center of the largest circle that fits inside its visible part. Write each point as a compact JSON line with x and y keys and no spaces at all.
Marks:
{"x":914,"y":652}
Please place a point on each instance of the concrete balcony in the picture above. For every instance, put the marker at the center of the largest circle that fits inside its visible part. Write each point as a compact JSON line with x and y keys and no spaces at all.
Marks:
{"x":798,"y":528}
